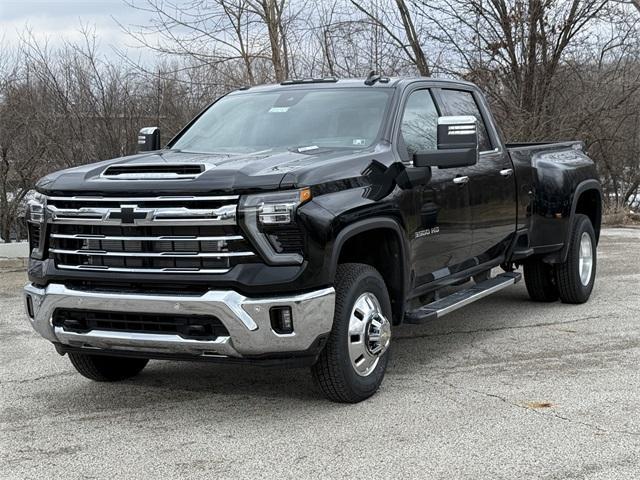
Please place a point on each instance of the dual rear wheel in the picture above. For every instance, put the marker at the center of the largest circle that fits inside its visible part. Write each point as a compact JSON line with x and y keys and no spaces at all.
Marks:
{"x":571,"y":281}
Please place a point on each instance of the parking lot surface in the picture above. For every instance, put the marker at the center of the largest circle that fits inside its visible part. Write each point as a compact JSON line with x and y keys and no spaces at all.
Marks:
{"x":502,"y":389}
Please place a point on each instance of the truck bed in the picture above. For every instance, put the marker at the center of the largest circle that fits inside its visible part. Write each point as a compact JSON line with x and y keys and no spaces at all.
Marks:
{"x":547,"y":175}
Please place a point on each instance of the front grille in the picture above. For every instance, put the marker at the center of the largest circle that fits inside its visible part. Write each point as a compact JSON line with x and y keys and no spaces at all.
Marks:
{"x":198,"y":327}
{"x":179,"y":235}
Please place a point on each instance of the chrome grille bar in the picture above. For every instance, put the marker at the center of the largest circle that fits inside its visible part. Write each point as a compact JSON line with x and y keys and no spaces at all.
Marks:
{"x":166,"y":238}
{"x":104,"y":253}
{"x":161,"y":198}
{"x":100,"y":268}
{"x":225,"y":215}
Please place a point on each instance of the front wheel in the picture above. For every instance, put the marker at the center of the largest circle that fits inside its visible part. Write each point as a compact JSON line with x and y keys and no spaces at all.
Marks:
{"x":576,"y":276}
{"x":103,"y":368}
{"x":353,"y":363}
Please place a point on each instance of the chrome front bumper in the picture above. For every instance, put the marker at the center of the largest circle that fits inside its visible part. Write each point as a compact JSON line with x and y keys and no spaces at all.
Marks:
{"x":246,"y":319}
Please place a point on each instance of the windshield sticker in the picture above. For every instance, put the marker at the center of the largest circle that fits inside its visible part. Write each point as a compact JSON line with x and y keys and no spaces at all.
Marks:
{"x":278,"y":109}
{"x":306,"y":149}
{"x":359,"y":141}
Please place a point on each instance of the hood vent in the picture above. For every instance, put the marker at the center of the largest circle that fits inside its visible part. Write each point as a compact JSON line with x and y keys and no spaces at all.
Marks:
{"x":152,"y":172}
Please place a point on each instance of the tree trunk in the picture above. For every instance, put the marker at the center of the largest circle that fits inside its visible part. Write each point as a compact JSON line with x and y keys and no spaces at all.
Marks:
{"x":418,"y":54}
{"x":270,"y":16}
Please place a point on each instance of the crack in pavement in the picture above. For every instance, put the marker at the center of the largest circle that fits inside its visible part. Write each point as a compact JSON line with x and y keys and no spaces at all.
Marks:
{"x":36,"y":379}
{"x":496,"y":329}
{"x":598,"y":429}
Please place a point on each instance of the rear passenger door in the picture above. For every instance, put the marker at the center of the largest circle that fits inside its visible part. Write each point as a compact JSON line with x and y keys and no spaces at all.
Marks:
{"x":491,"y":182}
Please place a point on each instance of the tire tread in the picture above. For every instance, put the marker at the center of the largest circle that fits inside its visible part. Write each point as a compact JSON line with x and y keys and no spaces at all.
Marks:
{"x":539,"y":280}
{"x":327,"y":371}
{"x":106,"y":369}
{"x":568,"y":281}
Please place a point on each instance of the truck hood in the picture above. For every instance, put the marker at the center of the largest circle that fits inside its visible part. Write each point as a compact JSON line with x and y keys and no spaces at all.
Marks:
{"x":222,"y":173}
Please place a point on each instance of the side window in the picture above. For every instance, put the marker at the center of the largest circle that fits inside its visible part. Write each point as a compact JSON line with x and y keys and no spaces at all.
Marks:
{"x":458,"y":102}
{"x":419,"y":127}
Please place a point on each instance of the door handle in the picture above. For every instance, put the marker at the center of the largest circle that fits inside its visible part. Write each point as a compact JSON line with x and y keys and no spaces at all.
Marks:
{"x":460,"y":180}
{"x":506,"y":172}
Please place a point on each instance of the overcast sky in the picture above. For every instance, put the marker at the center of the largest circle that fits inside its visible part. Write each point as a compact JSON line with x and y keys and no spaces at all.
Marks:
{"x":57,"y":19}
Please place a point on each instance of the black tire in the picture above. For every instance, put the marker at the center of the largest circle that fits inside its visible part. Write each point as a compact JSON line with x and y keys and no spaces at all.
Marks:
{"x":570,"y":287}
{"x":539,"y":278}
{"x":103,"y":368}
{"x":333,"y":372}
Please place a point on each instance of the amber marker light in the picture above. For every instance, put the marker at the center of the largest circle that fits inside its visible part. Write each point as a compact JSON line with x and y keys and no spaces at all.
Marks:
{"x":305,"y":195}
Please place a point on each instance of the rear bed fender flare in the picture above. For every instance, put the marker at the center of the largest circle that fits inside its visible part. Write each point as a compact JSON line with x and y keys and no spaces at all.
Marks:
{"x":582,"y":187}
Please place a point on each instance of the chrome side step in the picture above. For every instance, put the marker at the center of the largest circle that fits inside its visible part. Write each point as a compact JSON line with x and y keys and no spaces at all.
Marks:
{"x":459,"y":299}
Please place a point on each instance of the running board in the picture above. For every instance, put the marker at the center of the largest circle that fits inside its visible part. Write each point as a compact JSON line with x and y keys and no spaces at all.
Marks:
{"x":459,"y":299}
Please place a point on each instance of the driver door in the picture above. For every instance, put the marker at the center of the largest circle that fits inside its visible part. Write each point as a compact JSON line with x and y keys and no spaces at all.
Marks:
{"x":440,"y":235}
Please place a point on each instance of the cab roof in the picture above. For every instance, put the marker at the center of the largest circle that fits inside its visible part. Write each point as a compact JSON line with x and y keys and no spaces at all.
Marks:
{"x":332,"y":82}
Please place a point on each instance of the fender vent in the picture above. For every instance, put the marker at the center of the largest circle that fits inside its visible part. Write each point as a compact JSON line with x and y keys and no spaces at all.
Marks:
{"x":136,"y":172}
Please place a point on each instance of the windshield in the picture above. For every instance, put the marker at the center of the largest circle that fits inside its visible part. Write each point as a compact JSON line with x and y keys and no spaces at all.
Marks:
{"x":300,"y":120}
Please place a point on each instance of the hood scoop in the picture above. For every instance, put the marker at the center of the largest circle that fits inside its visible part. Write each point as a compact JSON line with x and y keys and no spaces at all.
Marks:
{"x":152,"y":172}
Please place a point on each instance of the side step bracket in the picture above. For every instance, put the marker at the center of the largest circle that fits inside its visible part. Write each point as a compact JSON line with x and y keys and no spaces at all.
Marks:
{"x":461,"y":298}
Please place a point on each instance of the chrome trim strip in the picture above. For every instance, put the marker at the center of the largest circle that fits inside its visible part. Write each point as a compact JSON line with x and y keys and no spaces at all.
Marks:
{"x":453,"y":128}
{"x":461,"y":180}
{"x":462,"y":132}
{"x":457,"y":120}
{"x":162,"y":238}
{"x":100,"y":268}
{"x":105,"y":253}
{"x":488,"y":152}
{"x":505,"y":282}
{"x":139,"y":341}
{"x":246,"y":319}
{"x":144,"y":199}
{"x":225,"y":215}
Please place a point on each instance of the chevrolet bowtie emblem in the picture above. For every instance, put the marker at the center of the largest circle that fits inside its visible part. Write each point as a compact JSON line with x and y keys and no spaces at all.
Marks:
{"x":128,"y":214}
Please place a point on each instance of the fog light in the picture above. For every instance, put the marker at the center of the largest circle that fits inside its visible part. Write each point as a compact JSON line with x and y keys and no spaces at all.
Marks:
{"x":281,"y":320}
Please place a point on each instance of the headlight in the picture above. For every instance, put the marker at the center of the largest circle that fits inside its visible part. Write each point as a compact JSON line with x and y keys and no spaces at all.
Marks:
{"x":36,"y":207}
{"x":36,"y":217}
{"x":264,"y":215}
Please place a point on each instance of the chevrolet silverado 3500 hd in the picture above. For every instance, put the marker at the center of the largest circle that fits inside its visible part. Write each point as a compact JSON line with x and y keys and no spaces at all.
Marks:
{"x":298,"y":223}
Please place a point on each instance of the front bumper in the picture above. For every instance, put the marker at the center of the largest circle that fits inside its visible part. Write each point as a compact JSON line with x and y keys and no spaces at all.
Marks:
{"x":247,"y":320}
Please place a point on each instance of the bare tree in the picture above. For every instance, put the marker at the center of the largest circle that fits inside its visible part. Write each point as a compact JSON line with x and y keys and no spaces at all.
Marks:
{"x":551,"y":69}
{"x":411,"y":45}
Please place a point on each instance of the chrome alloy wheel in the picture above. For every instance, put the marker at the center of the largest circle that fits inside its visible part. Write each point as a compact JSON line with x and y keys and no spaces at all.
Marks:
{"x":369,"y":334}
{"x":585,"y":259}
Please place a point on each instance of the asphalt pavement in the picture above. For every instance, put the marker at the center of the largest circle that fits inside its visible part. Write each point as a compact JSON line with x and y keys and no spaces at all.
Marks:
{"x":502,"y":389}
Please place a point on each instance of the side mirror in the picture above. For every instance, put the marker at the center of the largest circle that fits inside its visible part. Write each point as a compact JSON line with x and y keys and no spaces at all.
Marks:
{"x":149,"y":139}
{"x":457,"y":144}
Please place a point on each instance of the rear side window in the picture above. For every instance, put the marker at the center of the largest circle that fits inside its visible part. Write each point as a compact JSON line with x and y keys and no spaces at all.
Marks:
{"x":458,"y":102}
{"x":419,"y":125}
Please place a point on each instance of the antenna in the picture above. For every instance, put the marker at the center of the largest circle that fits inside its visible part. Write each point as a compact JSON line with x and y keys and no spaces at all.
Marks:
{"x":372,"y":78}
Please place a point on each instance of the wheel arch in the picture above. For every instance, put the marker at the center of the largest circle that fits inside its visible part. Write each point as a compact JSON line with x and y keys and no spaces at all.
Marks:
{"x":587,"y":200}
{"x":381,"y":243}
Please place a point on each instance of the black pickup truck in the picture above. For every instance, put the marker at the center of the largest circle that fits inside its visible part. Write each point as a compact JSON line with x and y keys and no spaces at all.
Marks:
{"x":298,"y":224}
